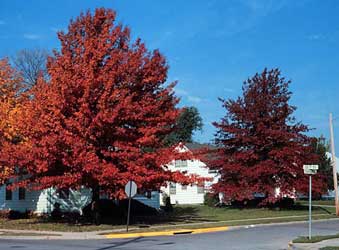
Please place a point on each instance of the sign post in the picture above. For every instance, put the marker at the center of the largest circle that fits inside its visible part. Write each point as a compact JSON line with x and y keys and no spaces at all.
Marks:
{"x":130,"y":190}
{"x":310,"y":170}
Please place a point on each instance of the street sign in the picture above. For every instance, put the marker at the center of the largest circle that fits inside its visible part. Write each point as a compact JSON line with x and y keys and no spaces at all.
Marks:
{"x":131,"y":189}
{"x":310,"y":169}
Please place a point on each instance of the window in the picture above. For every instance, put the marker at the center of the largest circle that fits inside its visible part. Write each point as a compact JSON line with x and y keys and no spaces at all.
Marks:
{"x":22,"y":193}
{"x":184,"y":187}
{"x":201,"y":188}
{"x":63,"y":193}
{"x":180,"y":163}
{"x":212,"y":171}
{"x":8,"y":194}
{"x":173,"y":188}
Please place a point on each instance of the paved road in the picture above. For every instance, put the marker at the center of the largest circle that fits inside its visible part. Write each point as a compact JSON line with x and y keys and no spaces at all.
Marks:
{"x":253,"y":238}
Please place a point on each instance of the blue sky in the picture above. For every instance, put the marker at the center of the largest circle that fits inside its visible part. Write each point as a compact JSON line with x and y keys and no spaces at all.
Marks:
{"x":211,"y":46}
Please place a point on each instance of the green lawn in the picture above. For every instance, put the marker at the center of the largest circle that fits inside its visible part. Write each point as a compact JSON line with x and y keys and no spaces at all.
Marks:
{"x":186,"y":215}
{"x":43,"y":225}
{"x":330,"y":248}
{"x":205,"y":213}
{"x":318,"y":202}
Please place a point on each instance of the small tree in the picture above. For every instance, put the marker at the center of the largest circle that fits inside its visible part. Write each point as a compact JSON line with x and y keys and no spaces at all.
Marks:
{"x":320,"y":148}
{"x":188,"y":121}
{"x":31,"y":64}
{"x":260,"y":146}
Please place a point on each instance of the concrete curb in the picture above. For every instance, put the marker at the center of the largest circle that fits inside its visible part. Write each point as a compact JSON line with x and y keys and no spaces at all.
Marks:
{"x":166,"y":233}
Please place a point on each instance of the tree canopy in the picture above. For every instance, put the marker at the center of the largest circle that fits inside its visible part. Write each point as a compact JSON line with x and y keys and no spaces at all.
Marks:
{"x":320,"y":147}
{"x":261,"y":148}
{"x":10,"y":109}
{"x":101,"y":119}
{"x":186,"y":124}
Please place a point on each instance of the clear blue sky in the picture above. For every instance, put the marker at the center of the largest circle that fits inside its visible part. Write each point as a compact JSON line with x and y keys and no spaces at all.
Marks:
{"x":211,"y":46}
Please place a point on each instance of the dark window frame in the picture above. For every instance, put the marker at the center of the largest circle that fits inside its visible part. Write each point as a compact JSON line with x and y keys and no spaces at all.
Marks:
{"x":9,"y":194}
{"x":22,"y":193}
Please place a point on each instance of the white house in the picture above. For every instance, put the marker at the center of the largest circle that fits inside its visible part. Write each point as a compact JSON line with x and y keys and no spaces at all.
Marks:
{"x":189,"y":194}
{"x":41,"y":202}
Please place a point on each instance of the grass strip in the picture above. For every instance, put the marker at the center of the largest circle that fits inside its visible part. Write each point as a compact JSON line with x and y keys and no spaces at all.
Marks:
{"x":315,"y":239}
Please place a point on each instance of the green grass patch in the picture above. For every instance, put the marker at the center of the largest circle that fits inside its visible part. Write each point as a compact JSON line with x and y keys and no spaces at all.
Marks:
{"x":182,"y":216}
{"x":315,"y":239}
{"x":330,"y":248}
{"x":317,"y":202}
{"x":45,"y":225}
{"x":205,"y":213}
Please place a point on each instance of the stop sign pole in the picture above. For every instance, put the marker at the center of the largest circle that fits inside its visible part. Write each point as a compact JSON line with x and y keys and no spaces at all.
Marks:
{"x":130,"y":190}
{"x":310,"y":170}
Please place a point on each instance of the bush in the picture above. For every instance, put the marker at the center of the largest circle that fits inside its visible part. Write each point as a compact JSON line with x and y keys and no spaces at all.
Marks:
{"x":4,"y":214}
{"x":285,"y":203}
{"x":168,"y":205}
{"x":211,"y":199}
{"x":248,"y":203}
{"x":15,"y":215}
{"x":56,"y":213}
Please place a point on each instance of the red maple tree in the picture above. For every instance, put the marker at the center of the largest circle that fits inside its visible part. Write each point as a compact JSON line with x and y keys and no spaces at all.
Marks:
{"x":260,"y":147}
{"x":102,"y":118}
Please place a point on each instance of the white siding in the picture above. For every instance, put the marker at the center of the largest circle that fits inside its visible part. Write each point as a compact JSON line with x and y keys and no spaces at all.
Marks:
{"x":190,"y":195}
{"x":43,"y":201}
{"x":34,"y":201}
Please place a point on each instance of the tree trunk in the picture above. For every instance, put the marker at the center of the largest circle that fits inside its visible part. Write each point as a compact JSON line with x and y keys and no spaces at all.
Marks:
{"x":95,"y":193}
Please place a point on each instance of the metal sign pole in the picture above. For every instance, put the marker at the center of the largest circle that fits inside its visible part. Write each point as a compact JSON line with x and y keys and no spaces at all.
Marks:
{"x":310,"y":210}
{"x":129,"y":204}
{"x":310,"y":170}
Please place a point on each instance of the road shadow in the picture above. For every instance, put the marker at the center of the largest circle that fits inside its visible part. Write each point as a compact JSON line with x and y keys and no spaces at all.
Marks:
{"x":112,"y":245}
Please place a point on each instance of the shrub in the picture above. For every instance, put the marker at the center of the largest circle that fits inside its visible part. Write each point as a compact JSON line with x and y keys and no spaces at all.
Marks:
{"x":4,"y":214}
{"x":14,"y":214}
{"x":211,"y":199}
{"x":285,"y":203}
{"x":168,"y":205}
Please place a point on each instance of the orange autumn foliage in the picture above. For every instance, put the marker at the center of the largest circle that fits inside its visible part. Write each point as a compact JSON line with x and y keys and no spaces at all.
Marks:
{"x":102,"y":118}
{"x":10,"y":109}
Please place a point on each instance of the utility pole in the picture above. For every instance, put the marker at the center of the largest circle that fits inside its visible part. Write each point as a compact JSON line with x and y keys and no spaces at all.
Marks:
{"x":334,"y":166}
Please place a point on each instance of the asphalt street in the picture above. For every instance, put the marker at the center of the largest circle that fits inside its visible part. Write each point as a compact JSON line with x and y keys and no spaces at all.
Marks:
{"x":273,"y":237}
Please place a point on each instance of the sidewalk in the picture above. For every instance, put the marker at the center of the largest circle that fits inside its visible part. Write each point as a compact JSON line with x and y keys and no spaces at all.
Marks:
{"x":314,"y":246}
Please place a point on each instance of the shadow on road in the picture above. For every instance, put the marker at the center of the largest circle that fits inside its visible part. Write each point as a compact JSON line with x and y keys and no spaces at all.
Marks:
{"x":135,"y":240}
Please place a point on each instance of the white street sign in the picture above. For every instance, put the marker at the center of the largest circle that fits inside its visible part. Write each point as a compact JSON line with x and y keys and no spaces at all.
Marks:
{"x":131,"y":189}
{"x":310,"y":169}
